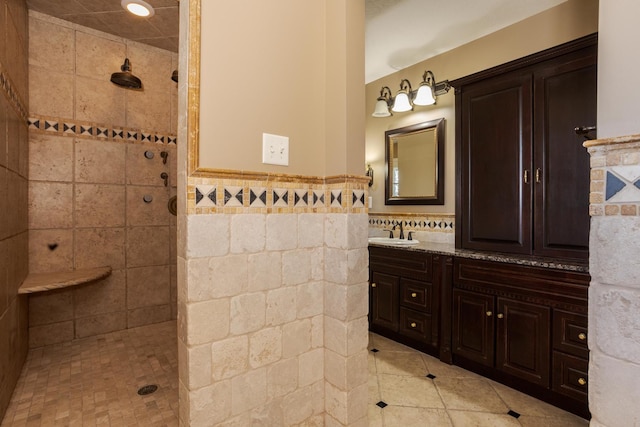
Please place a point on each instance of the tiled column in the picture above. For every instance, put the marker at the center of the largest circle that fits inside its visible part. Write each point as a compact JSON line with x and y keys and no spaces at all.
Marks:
{"x":345,"y":322}
{"x":614,"y":294}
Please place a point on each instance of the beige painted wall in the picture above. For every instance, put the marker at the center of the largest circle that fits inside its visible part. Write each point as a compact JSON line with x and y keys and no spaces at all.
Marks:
{"x":568,"y":21}
{"x":249,"y":89}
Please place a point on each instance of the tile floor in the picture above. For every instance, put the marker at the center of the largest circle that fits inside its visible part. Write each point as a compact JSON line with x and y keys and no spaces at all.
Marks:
{"x":451,"y":396}
{"x":94,"y":382}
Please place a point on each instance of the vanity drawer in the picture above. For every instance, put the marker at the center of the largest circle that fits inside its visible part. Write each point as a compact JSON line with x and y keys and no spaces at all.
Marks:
{"x":570,"y":376}
{"x":400,"y":262}
{"x":415,"y":324}
{"x":570,"y":333}
{"x":416,"y":295}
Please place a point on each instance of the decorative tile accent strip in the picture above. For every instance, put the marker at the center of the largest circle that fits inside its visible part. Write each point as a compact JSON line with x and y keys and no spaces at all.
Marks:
{"x":615,"y":176}
{"x":79,"y":129}
{"x":417,"y":222}
{"x":9,"y":92}
{"x":275,"y":194}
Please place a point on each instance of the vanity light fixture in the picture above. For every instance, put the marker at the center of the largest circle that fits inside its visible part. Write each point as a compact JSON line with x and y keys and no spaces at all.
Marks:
{"x":383,"y":103}
{"x":406,"y":98}
{"x":138,"y":8}
{"x":402,"y":102}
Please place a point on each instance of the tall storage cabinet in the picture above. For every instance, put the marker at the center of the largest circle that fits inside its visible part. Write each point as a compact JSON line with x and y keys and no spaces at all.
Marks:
{"x":523,"y":175}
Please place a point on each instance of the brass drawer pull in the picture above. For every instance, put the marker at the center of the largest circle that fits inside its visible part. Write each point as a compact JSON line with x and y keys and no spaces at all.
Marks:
{"x":489,"y":314}
{"x":500,"y":315}
{"x":582,"y":381}
{"x":413,"y":324}
{"x":582,"y":336}
{"x":373,"y":285}
{"x":413,"y":295}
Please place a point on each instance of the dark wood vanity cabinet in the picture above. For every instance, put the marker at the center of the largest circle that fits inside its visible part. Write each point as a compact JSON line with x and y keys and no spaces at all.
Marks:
{"x":403,"y":299}
{"x":524,"y":326}
{"x":522,"y":172}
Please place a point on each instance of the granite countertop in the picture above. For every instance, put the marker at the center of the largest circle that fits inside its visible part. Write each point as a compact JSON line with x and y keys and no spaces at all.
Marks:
{"x":449,"y":249}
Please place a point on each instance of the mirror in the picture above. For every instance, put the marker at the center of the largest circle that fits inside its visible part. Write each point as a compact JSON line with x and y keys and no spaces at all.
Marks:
{"x":414,"y":160}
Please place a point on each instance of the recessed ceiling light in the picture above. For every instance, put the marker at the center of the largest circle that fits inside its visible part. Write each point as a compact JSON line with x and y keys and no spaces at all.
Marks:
{"x":138,"y":7}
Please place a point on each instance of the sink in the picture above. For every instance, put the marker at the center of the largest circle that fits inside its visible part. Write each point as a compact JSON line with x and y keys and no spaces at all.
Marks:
{"x":394,"y":241}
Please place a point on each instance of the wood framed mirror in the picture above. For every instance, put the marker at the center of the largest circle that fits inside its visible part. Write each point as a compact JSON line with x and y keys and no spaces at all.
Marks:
{"x":414,"y":164}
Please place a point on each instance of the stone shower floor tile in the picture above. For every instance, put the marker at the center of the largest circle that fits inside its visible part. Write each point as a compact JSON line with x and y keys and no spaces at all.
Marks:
{"x":453,"y":397}
{"x":95,"y":381}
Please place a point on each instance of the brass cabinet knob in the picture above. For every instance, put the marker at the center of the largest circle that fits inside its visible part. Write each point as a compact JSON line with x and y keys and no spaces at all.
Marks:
{"x":413,"y":295}
{"x":582,"y":336}
{"x":413,"y":324}
{"x":582,"y":381}
{"x":500,"y":315}
{"x":489,"y":313}
{"x":373,"y":285}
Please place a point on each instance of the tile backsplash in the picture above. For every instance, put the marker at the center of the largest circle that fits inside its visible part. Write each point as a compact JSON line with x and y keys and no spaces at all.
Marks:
{"x":427,"y":227}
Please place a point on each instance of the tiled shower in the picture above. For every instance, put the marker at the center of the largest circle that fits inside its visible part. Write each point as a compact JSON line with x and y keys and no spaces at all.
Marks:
{"x":82,"y":183}
{"x":97,"y":193}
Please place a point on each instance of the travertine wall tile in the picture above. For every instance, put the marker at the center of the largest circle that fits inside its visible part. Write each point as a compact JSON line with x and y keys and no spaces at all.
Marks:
{"x":309,"y":299}
{"x":213,"y":316}
{"x":50,"y":158}
{"x":47,"y":99}
{"x":50,"y":205}
{"x":52,"y":333}
{"x":144,"y":171}
{"x":303,"y":403}
{"x":148,"y":315}
{"x":230,"y":357}
{"x":346,"y":302}
{"x":247,"y":313}
{"x":265,"y":271}
{"x":148,"y":246}
{"x":248,"y":390}
{"x":310,"y":230}
{"x":613,"y":251}
{"x":281,"y":306}
{"x":98,"y":205}
{"x":265,"y":347}
{"x":311,"y":367}
{"x":208,"y":405}
{"x":51,"y":46}
{"x":105,"y":296}
{"x":99,"y":101}
{"x":296,"y":267}
{"x":50,"y":250}
{"x":209,"y":278}
{"x":197,"y":365}
{"x":282,"y":232}
{"x":97,"y":57}
{"x":100,"y":324}
{"x":208,"y":235}
{"x":147,"y":286}
{"x":296,"y":338}
{"x":140,"y":212}
{"x":248,"y":233}
{"x":99,"y":162}
{"x":282,"y":378}
{"x":111,"y":242}
{"x":53,"y":307}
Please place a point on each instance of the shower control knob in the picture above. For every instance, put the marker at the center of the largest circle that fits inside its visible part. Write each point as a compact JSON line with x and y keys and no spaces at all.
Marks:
{"x":147,"y":198}
{"x":148,"y":154}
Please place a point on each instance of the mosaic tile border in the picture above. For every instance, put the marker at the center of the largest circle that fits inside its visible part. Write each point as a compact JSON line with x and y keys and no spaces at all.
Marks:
{"x":444,"y":223}
{"x":81,"y":129}
{"x":615,"y":176}
{"x":236,"y":196}
{"x":9,"y":92}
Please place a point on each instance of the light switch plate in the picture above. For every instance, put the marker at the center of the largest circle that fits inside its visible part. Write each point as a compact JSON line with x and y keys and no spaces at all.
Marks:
{"x":275,"y":149}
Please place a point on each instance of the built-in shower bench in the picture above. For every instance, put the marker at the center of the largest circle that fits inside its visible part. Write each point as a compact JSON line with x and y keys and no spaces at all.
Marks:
{"x":41,"y":282}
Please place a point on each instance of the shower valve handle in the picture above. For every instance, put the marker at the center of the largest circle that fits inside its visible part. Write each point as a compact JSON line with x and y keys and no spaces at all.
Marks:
{"x":165,"y":176}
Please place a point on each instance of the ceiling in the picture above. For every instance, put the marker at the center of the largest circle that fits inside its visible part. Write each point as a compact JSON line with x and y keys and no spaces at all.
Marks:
{"x":161,"y":30}
{"x":399,"y":33}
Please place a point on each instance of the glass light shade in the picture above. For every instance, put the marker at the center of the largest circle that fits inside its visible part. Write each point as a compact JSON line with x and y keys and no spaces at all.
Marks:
{"x":424,"y":96}
{"x":401,"y":103}
{"x":138,"y":8}
{"x":382,"y":108}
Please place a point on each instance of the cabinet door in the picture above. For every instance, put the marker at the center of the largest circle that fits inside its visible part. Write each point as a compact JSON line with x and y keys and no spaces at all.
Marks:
{"x":523,"y":340}
{"x":495,"y":154}
{"x":565,"y":98}
{"x":384,"y":300}
{"x":473,"y":326}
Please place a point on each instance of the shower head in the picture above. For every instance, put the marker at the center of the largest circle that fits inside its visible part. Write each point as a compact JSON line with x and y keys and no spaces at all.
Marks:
{"x":174,"y":76}
{"x":124,"y":78}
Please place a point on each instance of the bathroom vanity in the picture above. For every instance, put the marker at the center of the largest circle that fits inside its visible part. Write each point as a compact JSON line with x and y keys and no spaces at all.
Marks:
{"x":519,"y":320}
